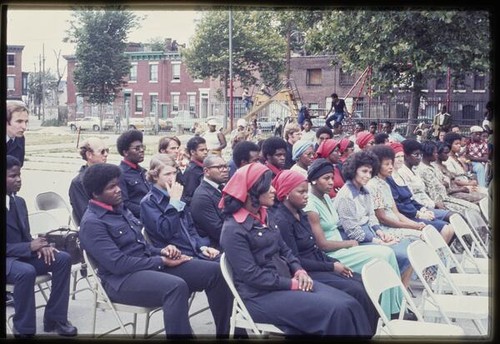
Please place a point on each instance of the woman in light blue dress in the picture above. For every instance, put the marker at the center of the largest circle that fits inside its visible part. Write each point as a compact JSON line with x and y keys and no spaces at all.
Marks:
{"x":324,"y":224}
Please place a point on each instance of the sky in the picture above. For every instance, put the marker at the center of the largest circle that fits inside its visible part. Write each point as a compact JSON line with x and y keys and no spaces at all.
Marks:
{"x":44,"y":29}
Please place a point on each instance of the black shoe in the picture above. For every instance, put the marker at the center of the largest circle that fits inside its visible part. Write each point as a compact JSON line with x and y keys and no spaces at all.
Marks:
{"x":62,"y":328}
{"x":18,"y":335}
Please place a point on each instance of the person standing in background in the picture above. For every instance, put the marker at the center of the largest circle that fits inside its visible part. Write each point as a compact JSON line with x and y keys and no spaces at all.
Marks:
{"x":17,"y":123}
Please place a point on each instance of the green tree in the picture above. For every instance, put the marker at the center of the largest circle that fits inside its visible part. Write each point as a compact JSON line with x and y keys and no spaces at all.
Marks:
{"x":256,"y":47}
{"x":100,"y":35}
{"x":405,"y":47}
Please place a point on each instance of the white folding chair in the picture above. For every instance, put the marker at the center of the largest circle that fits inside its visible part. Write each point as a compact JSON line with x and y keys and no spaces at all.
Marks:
{"x":479,"y":227}
{"x":484,"y":206}
{"x":428,"y":266}
{"x":240,"y":316}
{"x":102,"y":301}
{"x":449,"y":259}
{"x":53,"y":202}
{"x":378,"y":276}
{"x":41,"y":285}
{"x":472,"y":247}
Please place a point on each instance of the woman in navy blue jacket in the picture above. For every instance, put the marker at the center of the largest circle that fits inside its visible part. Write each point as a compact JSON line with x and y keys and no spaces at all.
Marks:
{"x":269,"y":278}
{"x":292,"y":194}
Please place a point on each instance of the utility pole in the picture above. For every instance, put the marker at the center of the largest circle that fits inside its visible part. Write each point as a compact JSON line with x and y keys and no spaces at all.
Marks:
{"x":231,"y":114}
{"x":43,"y":83}
{"x":288,"y":53}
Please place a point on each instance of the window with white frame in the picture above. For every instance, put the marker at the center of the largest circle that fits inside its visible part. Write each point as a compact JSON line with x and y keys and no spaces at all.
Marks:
{"x":11,"y":59}
{"x":153,"y":72}
{"x":11,"y":83}
{"x":153,"y":104}
{"x":176,"y":71}
{"x":133,"y":72}
{"x":138,"y":102}
{"x":192,"y":103}
{"x":174,"y":100}
{"x":479,"y":83}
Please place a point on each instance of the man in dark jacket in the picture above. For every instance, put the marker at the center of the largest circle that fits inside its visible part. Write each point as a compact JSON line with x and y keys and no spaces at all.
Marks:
{"x":17,"y":123}
{"x":197,"y":148}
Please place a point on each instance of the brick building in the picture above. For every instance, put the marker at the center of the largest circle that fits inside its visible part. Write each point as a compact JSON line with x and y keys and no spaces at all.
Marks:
{"x":17,"y":80}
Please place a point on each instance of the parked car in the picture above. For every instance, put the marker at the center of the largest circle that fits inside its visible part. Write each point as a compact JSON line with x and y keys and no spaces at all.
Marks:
{"x":91,"y":123}
{"x":148,"y":123}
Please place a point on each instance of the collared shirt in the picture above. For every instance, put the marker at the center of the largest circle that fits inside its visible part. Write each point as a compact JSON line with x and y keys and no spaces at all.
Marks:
{"x":355,"y":209}
{"x":10,"y":138}
{"x":212,"y":183}
{"x":416,"y":186}
{"x":192,"y":179}
{"x":478,"y":149}
{"x":134,"y":186}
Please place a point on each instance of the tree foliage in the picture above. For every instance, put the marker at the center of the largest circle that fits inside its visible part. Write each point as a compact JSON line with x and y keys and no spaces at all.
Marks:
{"x":404,"y":47}
{"x":256,"y":47}
{"x":100,"y":35}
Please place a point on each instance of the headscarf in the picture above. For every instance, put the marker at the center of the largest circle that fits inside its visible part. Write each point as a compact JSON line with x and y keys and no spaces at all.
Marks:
{"x":286,"y":181}
{"x":318,"y":168}
{"x":242,"y":181}
{"x":300,"y":147}
{"x":343,"y":143}
{"x":363,"y":138}
{"x":326,"y":148}
{"x":396,"y":147}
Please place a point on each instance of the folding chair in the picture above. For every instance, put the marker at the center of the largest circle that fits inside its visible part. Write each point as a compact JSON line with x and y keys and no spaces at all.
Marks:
{"x":428,"y":267}
{"x":53,"y":202}
{"x":240,"y":316}
{"x":472,"y":250}
{"x":41,"y":285}
{"x":102,"y":301}
{"x":43,"y":221}
{"x":479,"y":227}
{"x":378,"y":276}
{"x":484,"y":206}
{"x":449,"y":259}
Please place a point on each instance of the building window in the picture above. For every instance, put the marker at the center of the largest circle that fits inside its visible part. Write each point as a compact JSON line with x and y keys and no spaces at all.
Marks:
{"x":176,"y":71}
{"x":192,"y":103}
{"x":468,"y":112}
{"x":11,"y":59}
{"x":479,"y":82}
{"x":153,"y":104}
{"x":346,"y":79}
{"x":133,"y":72}
{"x":441,"y":82}
{"x":11,"y":83}
{"x":174,"y":99}
{"x":79,"y":104}
{"x":138,"y":103}
{"x":153,"y":72}
{"x":458,"y":84}
{"x":313,"y":77}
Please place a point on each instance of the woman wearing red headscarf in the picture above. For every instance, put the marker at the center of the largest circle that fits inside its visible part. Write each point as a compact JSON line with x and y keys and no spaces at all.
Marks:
{"x":364,"y":139}
{"x":346,"y":148}
{"x":330,"y":150}
{"x":269,"y":278}
{"x":292,"y":192}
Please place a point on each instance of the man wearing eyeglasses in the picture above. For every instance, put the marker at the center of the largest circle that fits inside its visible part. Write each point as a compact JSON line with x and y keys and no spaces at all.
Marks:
{"x":133,"y":183}
{"x":94,"y":151}
{"x":207,"y":216}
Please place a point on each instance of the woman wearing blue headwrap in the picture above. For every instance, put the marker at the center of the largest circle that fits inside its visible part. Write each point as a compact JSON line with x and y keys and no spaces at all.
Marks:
{"x":303,"y":154}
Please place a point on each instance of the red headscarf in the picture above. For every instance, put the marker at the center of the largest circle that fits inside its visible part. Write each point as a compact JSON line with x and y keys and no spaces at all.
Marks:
{"x":343,"y":143}
{"x":326,"y":148}
{"x":286,"y":181}
{"x":363,"y":138}
{"x":396,"y":147}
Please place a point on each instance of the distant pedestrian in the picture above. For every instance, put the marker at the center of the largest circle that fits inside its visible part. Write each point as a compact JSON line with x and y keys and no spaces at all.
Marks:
{"x":17,"y":123}
{"x":338,"y":110}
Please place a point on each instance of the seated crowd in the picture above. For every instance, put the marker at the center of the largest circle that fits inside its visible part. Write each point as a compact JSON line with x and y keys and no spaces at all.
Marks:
{"x":297,"y":219}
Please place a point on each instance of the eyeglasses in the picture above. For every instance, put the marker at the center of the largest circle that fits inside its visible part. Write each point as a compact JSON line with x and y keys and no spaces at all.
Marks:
{"x":219,"y":167}
{"x":138,"y":148}
{"x":104,"y":150}
{"x":416,"y":154}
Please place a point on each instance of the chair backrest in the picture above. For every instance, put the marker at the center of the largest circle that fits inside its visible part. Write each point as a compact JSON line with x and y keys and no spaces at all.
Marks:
{"x":434,"y":239}
{"x":52,"y":201}
{"x":238,"y":305}
{"x":479,"y":227}
{"x":429,"y":268}
{"x":378,"y":276}
{"x":484,"y":206}
{"x":42,"y":222}
{"x":471,"y":244}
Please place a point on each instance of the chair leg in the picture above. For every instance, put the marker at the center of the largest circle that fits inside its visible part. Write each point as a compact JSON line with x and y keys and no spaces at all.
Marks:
{"x":134,"y":326}
{"x":42,"y":288}
{"x":75,"y":281}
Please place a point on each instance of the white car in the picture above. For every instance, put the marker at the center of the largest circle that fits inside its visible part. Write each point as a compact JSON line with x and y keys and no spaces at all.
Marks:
{"x":91,"y":123}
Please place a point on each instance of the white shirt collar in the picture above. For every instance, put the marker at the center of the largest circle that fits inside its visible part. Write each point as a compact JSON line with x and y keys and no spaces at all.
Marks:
{"x":9,"y":138}
{"x":212,"y":183}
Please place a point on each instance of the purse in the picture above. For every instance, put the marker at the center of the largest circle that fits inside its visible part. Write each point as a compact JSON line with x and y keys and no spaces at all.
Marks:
{"x":66,"y":239}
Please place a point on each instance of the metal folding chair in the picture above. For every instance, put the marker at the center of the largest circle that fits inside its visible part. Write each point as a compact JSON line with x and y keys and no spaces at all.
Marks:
{"x":240,"y":316}
{"x":484,"y":206}
{"x":53,"y":202}
{"x":378,"y":276}
{"x":480,"y":228}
